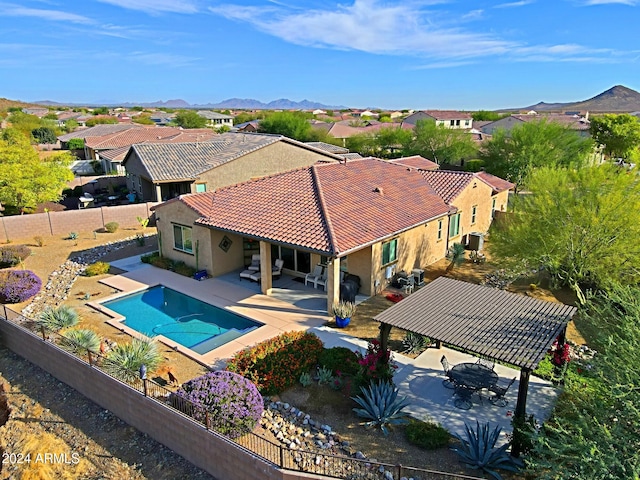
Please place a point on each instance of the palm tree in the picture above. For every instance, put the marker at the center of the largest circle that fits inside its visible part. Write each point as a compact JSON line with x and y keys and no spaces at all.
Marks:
{"x":124,"y":361}
{"x":55,"y":319}
{"x":455,"y":255}
{"x":78,"y":341}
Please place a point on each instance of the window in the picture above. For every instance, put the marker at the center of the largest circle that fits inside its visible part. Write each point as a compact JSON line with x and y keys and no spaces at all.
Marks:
{"x":457,"y":123}
{"x":201,"y":187}
{"x":474,"y":210}
{"x":440,"y":229}
{"x":297,"y":260}
{"x":390,"y":251}
{"x":466,"y":123}
{"x":182,"y":238}
{"x":452,"y":123}
{"x":454,"y":225}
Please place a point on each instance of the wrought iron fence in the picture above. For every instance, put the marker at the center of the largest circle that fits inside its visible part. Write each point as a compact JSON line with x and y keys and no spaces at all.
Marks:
{"x":328,"y":465}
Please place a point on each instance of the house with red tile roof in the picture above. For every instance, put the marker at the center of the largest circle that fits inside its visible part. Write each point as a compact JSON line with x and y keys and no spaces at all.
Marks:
{"x":161,"y":170}
{"x":416,"y":161}
{"x":368,"y":217}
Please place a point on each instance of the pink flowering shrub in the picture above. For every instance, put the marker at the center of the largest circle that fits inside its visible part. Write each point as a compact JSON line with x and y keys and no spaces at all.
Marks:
{"x":561,"y":353}
{"x":376,"y":365}
{"x":233,"y":402}
{"x":18,"y":285}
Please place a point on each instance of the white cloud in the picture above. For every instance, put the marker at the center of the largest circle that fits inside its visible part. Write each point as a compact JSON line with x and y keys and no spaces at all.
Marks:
{"x":12,"y":10}
{"x":521,"y":3}
{"x":631,"y":3}
{"x":372,"y":27}
{"x":156,"y":6}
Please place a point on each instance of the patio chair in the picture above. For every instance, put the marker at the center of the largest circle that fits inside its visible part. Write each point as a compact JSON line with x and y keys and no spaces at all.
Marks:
{"x":321,"y":280}
{"x":311,"y":277}
{"x":463,"y":397}
{"x":276,"y":270}
{"x":447,"y":382}
{"x":255,"y":263}
{"x":486,"y":362}
{"x":498,"y":399}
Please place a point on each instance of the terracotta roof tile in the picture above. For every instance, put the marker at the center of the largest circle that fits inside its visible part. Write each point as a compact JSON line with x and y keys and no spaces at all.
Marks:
{"x":330,"y":208}
{"x":497,"y":183}
{"x":447,"y":183}
{"x":416,"y":161}
{"x":97,"y":131}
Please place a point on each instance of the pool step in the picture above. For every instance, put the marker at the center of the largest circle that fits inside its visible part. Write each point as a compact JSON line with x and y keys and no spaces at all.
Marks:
{"x":215,"y":342}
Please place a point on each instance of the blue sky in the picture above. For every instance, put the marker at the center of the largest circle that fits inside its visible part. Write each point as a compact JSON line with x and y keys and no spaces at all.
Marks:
{"x":421,"y":54}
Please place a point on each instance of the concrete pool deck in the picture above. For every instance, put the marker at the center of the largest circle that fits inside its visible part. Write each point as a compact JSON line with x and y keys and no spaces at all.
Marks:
{"x":276,"y":315}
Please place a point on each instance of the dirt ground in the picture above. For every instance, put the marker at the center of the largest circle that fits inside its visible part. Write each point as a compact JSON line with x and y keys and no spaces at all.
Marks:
{"x":325,"y":405}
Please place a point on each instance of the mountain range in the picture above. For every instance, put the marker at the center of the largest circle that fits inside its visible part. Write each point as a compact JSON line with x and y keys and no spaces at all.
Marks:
{"x":616,"y":99}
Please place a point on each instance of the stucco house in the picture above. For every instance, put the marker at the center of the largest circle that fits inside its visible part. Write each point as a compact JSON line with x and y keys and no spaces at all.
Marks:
{"x":216,"y":119}
{"x":446,"y":118}
{"x":368,"y":217}
{"x":161,"y":171}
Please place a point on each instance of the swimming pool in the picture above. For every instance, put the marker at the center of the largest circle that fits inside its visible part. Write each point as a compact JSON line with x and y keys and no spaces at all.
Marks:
{"x":186,"y":320}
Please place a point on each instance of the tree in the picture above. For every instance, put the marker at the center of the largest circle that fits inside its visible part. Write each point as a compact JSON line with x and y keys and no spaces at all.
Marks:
{"x":487,"y":116}
{"x":581,"y":226}
{"x":619,"y":134}
{"x":143,"y":120}
{"x":290,"y":124}
{"x":100,"y":111}
{"x":439,"y":143}
{"x":24,"y":123}
{"x":44,"y":135}
{"x":532,"y":145}
{"x":189,"y":119}
{"x":92,"y":122}
{"x":25,"y":180}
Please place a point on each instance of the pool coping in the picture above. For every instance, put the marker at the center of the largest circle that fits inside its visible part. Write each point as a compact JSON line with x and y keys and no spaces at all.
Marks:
{"x":276,"y":316}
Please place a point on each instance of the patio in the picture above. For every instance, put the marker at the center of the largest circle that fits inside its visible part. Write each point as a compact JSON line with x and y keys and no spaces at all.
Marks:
{"x":419,"y":379}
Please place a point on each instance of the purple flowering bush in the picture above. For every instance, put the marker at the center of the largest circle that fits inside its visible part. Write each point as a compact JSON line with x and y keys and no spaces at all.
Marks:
{"x":234,"y":403}
{"x":18,"y":285}
{"x":12,"y":255}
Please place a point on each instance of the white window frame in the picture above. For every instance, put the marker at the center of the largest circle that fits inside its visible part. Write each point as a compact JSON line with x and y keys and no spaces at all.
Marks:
{"x":186,"y":244}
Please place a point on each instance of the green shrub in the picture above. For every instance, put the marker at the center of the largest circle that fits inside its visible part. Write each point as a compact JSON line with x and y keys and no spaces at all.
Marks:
{"x":474,"y":165}
{"x":276,"y":364}
{"x":183,"y":269}
{"x":39,"y":241}
{"x":149,"y":258}
{"x":111,"y":227}
{"x":12,"y":255}
{"x":98,"y":268}
{"x":78,"y":341}
{"x":78,"y":191}
{"x":381,"y":406}
{"x":430,"y":436}
{"x":75,"y":143}
{"x":124,"y":361}
{"x":339,"y":360}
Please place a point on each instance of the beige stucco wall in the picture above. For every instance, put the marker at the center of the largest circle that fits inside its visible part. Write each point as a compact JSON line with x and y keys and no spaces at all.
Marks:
{"x":476,"y":193}
{"x":417,"y":248}
{"x":275,"y":158}
{"x":225,"y":262}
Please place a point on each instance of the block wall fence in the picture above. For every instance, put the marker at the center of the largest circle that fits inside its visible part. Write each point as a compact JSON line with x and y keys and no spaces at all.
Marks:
{"x":85,"y":220}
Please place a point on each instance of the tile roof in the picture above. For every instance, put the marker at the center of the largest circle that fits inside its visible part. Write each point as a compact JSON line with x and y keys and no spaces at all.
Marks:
{"x":447,"y":183}
{"x":328,"y":147}
{"x":416,"y":161}
{"x":211,"y":115}
{"x":331,"y":208}
{"x":129,"y":137}
{"x":498,"y":184}
{"x":174,"y":161}
{"x":97,"y":131}
{"x":116,"y":154}
{"x":574,"y":122}
{"x":447,"y":114}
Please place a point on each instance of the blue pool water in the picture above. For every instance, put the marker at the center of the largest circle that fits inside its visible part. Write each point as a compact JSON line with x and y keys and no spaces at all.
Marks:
{"x":194,"y":324}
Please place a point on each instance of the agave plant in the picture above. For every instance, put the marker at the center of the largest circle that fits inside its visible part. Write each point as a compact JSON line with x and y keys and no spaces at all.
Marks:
{"x":455,"y":256}
{"x":125,"y":360}
{"x":380,"y":404}
{"x":78,"y":341}
{"x":56,"y":319}
{"x":414,"y":342}
{"x":479,"y":452}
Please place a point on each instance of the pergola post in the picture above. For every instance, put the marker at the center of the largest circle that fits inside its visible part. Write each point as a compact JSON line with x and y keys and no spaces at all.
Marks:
{"x":333,"y":283}
{"x":521,"y":410}
{"x":385,"y":330}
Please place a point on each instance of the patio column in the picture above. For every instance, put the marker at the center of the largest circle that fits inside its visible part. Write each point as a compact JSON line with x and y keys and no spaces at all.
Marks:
{"x":158,"y":192}
{"x":385,"y":330}
{"x":521,"y":408}
{"x":265,"y":268}
{"x":333,"y":283}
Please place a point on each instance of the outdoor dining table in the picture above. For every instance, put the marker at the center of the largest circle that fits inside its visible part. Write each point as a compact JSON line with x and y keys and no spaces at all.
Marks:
{"x":473,"y":375}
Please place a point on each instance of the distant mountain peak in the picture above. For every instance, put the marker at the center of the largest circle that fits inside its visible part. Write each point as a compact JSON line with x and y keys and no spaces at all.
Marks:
{"x":616,"y":99}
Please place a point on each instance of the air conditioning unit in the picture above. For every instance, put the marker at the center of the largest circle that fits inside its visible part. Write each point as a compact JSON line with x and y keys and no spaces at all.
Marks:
{"x":418,"y":276}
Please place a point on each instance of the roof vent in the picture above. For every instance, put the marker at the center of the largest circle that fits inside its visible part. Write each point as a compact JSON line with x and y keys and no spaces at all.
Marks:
{"x":378,"y":190}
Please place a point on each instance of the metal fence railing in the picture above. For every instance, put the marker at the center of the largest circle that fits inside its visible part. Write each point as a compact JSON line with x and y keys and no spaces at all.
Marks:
{"x":328,"y":465}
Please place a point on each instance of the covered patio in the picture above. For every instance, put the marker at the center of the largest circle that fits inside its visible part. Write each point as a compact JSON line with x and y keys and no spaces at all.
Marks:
{"x":510,"y":328}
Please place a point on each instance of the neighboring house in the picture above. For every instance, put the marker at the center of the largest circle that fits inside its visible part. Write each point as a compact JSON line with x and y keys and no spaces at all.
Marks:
{"x":368,"y":217}
{"x":248,"y":127}
{"x":341,"y":151}
{"x":446,"y":118}
{"x":215,"y":119}
{"x":162,"y":118}
{"x":63,"y":117}
{"x":37,"y":111}
{"x":161,"y":171}
{"x":96,"y":131}
{"x":575,"y":122}
{"x":416,"y":161}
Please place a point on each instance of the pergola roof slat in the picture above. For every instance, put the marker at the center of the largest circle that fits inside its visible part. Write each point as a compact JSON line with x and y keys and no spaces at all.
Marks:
{"x":506,"y":326}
